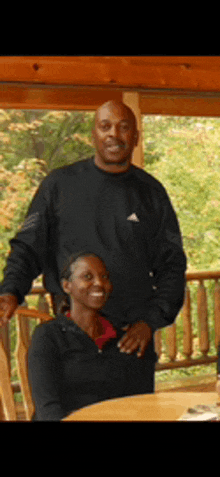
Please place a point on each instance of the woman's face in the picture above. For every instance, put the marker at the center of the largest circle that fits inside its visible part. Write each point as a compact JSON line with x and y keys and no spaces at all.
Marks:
{"x":89,"y":283}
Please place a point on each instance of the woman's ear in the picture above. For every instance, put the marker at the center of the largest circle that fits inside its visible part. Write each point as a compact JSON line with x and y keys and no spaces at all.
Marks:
{"x":66,"y":286}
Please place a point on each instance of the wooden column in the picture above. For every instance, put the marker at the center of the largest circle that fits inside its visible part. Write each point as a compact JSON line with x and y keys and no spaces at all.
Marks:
{"x":133,"y":101}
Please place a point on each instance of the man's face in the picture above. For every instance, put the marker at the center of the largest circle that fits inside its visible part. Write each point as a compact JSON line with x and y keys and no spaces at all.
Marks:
{"x":115,"y":136}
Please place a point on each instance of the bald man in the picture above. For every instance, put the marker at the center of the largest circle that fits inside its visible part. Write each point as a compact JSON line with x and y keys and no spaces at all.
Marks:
{"x":108,"y":206}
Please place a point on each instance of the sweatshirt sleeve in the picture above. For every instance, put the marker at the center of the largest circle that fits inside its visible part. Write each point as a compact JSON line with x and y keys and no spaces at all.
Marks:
{"x":28,"y":248}
{"x":44,"y":375}
{"x":168,"y":274}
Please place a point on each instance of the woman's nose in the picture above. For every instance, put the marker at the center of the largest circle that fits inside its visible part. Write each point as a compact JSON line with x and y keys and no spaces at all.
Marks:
{"x":98,"y":281}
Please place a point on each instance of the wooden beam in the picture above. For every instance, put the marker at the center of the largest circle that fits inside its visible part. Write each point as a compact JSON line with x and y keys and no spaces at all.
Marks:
{"x":187,"y":73}
{"x":29,"y":96}
{"x":23,"y":96}
{"x":133,"y":101}
{"x":180,"y":104}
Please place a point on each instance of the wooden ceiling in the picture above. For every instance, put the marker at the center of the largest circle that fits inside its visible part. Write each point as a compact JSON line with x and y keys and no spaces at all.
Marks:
{"x":177,"y":85}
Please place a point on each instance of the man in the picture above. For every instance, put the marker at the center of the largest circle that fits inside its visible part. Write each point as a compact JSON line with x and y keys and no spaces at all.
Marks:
{"x":110,"y":207}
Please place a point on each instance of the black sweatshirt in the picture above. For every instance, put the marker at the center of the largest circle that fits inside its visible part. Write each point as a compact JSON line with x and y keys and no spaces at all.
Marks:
{"x":125,"y":218}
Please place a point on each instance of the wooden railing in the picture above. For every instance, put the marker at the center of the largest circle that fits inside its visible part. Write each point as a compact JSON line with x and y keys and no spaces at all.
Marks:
{"x":207,"y":320}
{"x":195,"y":323}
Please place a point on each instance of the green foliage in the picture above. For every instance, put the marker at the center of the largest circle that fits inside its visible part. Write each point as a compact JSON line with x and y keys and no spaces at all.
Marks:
{"x":189,"y":168}
{"x":32,"y":143}
{"x":57,"y":137}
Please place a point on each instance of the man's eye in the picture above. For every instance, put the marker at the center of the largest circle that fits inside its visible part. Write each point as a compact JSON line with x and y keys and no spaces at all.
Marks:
{"x":104,"y":127}
{"x":124,"y":127}
{"x":88,"y":276}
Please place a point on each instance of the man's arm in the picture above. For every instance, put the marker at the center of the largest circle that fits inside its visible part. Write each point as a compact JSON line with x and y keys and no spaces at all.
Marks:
{"x":28,"y":251}
{"x":168,"y":283}
{"x":168,"y":270}
{"x":168,"y":280}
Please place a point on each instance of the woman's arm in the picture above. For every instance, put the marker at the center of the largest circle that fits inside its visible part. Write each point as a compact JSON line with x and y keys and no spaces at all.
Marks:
{"x":44,"y":373}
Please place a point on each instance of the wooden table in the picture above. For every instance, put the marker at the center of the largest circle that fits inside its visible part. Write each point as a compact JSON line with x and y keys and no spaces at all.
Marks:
{"x":167,"y":406}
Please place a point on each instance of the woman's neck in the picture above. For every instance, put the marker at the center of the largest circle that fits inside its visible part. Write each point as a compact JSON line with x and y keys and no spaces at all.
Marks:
{"x":88,"y":321}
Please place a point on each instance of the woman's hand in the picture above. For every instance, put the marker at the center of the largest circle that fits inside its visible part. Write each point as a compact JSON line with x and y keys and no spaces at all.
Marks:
{"x":137,"y":336}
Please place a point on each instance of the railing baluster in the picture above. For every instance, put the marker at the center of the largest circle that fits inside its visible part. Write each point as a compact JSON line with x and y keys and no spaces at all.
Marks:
{"x":43,"y":304}
{"x":203,"y":318}
{"x":171,"y":341}
{"x":187,"y":326}
{"x":25,"y":326}
{"x":158,"y":343}
{"x":21,"y":354}
{"x":4,"y":338}
{"x":217,"y":313}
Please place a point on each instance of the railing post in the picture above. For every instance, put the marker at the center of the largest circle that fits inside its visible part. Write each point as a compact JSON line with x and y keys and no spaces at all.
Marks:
{"x":217,"y":314}
{"x":43,"y":304}
{"x":187,"y":326}
{"x":24,"y":327}
{"x":158,"y":343}
{"x":4,"y":338}
{"x":171,"y":341}
{"x":203,"y":318}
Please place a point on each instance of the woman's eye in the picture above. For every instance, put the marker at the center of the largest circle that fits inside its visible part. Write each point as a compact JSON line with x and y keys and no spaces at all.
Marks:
{"x":88,"y":276}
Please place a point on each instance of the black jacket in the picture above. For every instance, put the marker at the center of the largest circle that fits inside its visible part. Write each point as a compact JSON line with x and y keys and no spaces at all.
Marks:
{"x":67,"y":371}
{"x":125,"y":218}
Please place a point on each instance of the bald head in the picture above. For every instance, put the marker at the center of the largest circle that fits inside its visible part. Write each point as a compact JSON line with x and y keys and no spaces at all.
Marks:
{"x":120,"y":106}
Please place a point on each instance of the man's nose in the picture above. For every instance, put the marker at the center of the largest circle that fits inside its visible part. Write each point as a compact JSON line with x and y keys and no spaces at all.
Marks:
{"x":114,"y":132}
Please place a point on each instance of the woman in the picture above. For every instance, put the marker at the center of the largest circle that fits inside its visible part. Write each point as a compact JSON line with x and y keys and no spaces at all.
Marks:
{"x":74,"y":360}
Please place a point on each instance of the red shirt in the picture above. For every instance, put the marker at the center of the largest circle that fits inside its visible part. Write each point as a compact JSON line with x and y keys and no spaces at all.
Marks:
{"x":109,"y":332}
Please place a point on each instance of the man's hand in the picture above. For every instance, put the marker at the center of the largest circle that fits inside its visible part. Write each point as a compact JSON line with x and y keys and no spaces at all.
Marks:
{"x":138,"y":337}
{"x":8,"y":304}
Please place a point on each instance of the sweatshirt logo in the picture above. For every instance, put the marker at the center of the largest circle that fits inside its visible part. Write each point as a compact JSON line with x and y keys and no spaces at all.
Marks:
{"x":31,"y":221}
{"x":133,"y":217}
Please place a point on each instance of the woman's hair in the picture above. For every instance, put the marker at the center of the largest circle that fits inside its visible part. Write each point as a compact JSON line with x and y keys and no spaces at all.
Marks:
{"x":66,"y":273}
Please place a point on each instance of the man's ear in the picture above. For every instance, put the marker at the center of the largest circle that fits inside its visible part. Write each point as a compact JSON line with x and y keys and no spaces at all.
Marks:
{"x":66,"y":286}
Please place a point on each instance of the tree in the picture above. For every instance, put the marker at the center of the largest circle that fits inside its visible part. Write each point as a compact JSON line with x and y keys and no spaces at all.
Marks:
{"x":57,"y":137}
{"x":32,"y":143}
{"x":188,"y":165}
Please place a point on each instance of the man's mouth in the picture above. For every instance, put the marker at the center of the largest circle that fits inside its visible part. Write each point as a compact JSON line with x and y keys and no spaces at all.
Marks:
{"x":115,"y":147}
